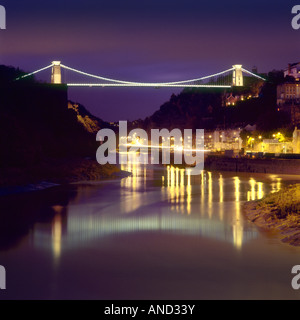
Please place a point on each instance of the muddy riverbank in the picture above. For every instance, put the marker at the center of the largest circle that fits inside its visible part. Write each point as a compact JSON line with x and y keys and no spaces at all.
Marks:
{"x":279,"y":212}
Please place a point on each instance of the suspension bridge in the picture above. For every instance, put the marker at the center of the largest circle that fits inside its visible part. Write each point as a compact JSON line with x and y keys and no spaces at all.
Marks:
{"x":224,"y":79}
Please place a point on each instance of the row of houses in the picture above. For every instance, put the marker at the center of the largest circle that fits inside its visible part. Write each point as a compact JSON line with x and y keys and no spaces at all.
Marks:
{"x":288,"y":94}
{"x":275,"y":146}
{"x":220,"y":140}
{"x":225,"y":140}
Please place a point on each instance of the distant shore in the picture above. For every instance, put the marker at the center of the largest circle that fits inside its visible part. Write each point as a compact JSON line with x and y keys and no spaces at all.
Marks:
{"x":279,"y":212}
{"x":54,"y":172}
{"x":276,"y":166}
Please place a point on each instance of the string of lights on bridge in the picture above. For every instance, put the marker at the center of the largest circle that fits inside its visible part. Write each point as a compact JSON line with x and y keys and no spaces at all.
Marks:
{"x":109,"y":82}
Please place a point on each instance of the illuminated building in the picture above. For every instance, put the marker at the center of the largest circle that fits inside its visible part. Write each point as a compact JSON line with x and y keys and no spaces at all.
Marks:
{"x":288,"y":100}
{"x":293,"y":70}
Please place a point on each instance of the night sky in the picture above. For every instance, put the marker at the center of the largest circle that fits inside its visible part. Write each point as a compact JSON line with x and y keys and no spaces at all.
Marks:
{"x":157,"y":40}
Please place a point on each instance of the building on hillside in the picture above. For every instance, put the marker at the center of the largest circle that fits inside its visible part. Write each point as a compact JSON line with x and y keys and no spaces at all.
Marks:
{"x":293,"y":70}
{"x":288,"y":93}
{"x":230,"y":99}
{"x":288,"y":100}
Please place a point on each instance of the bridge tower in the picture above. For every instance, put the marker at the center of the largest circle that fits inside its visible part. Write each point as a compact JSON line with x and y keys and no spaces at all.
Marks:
{"x":56,"y":72}
{"x":237,"y":79}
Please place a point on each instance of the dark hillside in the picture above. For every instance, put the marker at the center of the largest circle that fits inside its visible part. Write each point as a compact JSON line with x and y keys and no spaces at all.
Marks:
{"x":42,"y":135}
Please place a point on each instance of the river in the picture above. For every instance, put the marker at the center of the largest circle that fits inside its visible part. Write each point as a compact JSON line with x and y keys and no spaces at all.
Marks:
{"x":157,"y":234}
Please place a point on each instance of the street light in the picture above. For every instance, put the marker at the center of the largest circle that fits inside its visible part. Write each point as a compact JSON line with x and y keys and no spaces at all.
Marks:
{"x":252,"y":143}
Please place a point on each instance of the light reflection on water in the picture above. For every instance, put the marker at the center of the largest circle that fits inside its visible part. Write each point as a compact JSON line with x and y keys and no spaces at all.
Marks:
{"x":57,"y":235}
{"x":140,"y":236}
{"x":165,"y":200}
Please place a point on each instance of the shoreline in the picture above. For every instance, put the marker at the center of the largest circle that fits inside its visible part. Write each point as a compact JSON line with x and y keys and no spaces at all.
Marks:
{"x":273,"y":166}
{"x":279,"y":212}
{"x":55,"y":173}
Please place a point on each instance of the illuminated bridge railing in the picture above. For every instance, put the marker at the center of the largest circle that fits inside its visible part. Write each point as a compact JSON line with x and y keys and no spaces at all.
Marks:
{"x":76,"y":78}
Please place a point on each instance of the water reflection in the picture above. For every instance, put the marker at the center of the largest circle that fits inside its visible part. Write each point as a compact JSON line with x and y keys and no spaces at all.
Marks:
{"x":208,"y":204}
{"x":210,"y":194}
{"x":132,"y":185}
{"x":56,"y":236}
{"x":168,"y":200}
{"x":178,"y":191}
{"x":276,"y":183}
{"x":260,"y":191}
{"x":257,"y":190}
{"x":221,"y":197}
{"x":121,"y":234}
{"x":221,"y":184}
